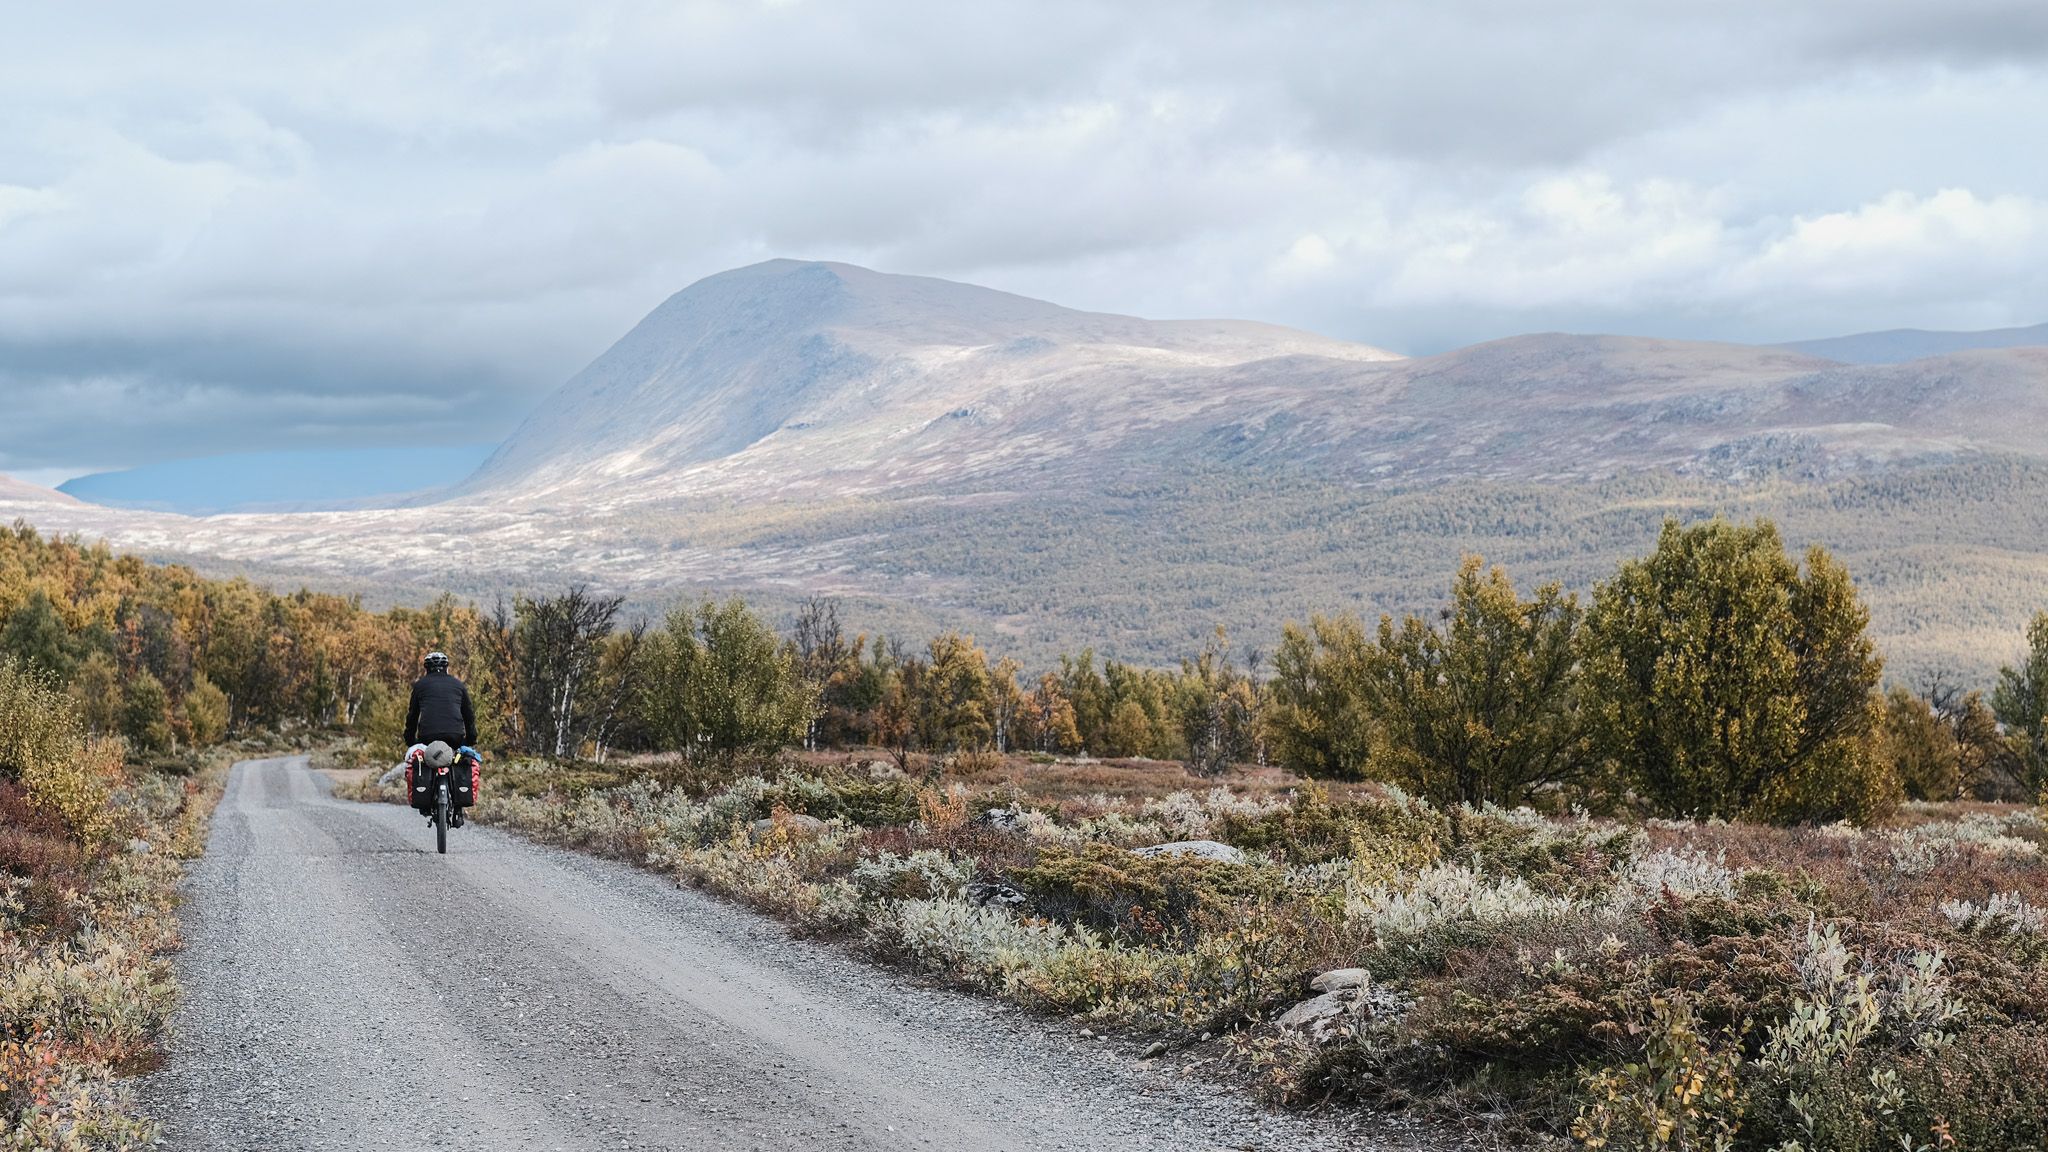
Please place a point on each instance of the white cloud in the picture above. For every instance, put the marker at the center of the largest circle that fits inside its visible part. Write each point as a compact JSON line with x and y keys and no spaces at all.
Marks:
{"x":1897,"y":242}
{"x":319,"y":223}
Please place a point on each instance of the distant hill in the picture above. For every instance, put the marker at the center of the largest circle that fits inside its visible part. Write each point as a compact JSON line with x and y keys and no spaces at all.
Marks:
{"x":1899,"y":345}
{"x":941,"y":455}
{"x":22,"y":492}
{"x":280,"y":481}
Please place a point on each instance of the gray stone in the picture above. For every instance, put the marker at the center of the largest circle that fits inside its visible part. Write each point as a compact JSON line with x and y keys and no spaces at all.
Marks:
{"x":794,"y":825}
{"x":1322,"y":1020}
{"x":1340,"y":978}
{"x":1349,"y":1003}
{"x":1200,"y":849}
{"x":1001,"y":820}
{"x":984,"y":894}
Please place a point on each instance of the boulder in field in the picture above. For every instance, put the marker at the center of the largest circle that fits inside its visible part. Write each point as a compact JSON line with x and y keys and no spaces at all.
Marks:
{"x":1001,"y":820}
{"x":986,"y":894}
{"x":794,"y":825}
{"x":1338,"y":979}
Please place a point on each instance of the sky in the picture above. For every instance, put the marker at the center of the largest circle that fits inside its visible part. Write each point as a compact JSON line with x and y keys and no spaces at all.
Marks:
{"x":244,"y":226}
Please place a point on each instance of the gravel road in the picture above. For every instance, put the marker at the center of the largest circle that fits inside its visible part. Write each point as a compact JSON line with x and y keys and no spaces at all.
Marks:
{"x":346,"y":988}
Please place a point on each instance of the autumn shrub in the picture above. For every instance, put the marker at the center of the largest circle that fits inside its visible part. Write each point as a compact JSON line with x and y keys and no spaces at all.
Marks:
{"x":51,"y":1104}
{"x":984,"y":945}
{"x":85,"y":922}
{"x":1555,"y":856}
{"x":1315,"y":828}
{"x":1684,"y":1093}
{"x":46,"y":864}
{"x":1722,"y":678}
{"x":1152,"y":898}
{"x":1982,"y":1091}
{"x":44,"y":748}
{"x":37,"y":722}
{"x":206,"y":712}
{"x":922,"y":875}
{"x":1419,"y":921}
{"x":880,"y":800}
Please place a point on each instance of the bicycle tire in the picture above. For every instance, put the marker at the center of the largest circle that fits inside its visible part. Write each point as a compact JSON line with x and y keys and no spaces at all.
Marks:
{"x":441,"y":821}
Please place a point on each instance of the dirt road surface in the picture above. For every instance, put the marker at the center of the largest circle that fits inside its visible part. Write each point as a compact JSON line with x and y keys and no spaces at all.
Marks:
{"x":346,"y":988}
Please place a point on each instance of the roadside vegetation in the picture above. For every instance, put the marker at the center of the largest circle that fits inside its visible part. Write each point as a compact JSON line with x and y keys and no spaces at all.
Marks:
{"x":1665,"y":863}
{"x":90,"y":858}
{"x":1607,"y":982}
{"x":124,"y":690}
{"x":1665,"y":866}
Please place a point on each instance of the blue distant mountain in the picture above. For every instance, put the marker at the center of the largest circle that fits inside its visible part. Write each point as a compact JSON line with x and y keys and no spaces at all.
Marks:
{"x":287,"y":480}
{"x":1899,"y":345}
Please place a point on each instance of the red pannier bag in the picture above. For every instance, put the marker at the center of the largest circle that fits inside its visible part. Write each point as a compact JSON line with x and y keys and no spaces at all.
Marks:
{"x":467,"y":791}
{"x":418,"y":780}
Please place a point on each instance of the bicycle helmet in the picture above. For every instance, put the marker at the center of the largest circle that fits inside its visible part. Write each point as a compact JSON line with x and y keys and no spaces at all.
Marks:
{"x":437,"y":662}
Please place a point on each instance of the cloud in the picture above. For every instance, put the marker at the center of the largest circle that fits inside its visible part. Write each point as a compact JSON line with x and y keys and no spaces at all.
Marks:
{"x":327,"y":225}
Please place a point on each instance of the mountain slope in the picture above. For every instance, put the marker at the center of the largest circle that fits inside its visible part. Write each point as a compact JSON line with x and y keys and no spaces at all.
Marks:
{"x":23,"y":493}
{"x":1899,"y":345}
{"x":830,"y":359}
{"x":939,"y":455}
{"x":789,"y":381}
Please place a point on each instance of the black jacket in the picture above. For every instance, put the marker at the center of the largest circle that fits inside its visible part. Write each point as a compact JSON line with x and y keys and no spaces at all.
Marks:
{"x":440,"y":711}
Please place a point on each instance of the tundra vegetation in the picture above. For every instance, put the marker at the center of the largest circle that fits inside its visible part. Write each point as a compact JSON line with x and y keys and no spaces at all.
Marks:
{"x":89,"y":864}
{"x":1662,"y":864}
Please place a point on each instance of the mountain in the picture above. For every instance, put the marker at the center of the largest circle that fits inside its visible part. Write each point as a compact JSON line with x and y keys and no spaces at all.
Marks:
{"x":1899,"y":345}
{"x":940,"y":455}
{"x":796,"y":381}
{"x":803,"y":369}
{"x":21,"y":492}
{"x":281,"y":481}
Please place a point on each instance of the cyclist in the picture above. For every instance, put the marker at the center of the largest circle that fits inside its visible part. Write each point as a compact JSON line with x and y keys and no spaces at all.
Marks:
{"x":440,"y":716}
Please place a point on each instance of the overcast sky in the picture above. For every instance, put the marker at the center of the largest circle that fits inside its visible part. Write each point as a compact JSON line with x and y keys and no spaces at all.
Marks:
{"x":303,"y":224}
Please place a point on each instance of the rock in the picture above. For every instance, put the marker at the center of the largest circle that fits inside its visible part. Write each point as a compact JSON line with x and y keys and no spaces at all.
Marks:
{"x":1349,"y":1000}
{"x":139,"y":845}
{"x":1001,"y":820}
{"x":983,"y":894}
{"x":796,"y":826}
{"x":1157,"y":1049}
{"x":1200,"y":849}
{"x":1325,"y":1019}
{"x":1340,"y":978}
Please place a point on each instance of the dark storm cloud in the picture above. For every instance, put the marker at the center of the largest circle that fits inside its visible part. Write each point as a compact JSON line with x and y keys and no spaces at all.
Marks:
{"x":327,"y":224}
{"x":93,"y":401}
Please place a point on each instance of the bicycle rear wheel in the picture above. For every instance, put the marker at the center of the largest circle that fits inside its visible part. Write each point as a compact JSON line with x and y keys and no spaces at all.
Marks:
{"x":441,"y":821}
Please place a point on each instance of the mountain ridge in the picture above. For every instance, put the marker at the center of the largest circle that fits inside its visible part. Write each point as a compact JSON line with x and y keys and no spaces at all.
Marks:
{"x":741,"y":355}
{"x":941,"y":455}
{"x":1900,"y":345}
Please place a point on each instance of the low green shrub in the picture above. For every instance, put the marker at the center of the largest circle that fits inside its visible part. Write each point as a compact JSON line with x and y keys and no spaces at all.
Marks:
{"x":872,"y":802}
{"x":1150,"y":899}
{"x":1313,"y":828}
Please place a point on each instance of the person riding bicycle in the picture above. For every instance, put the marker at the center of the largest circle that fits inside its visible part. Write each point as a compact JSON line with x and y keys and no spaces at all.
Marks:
{"x":441,"y":717}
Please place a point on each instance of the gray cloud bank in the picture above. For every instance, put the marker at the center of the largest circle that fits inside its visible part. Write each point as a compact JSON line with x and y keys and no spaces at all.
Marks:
{"x":321,"y":225}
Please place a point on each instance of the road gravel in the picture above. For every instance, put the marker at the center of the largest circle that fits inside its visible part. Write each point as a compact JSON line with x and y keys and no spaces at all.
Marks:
{"x":347,"y":988}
